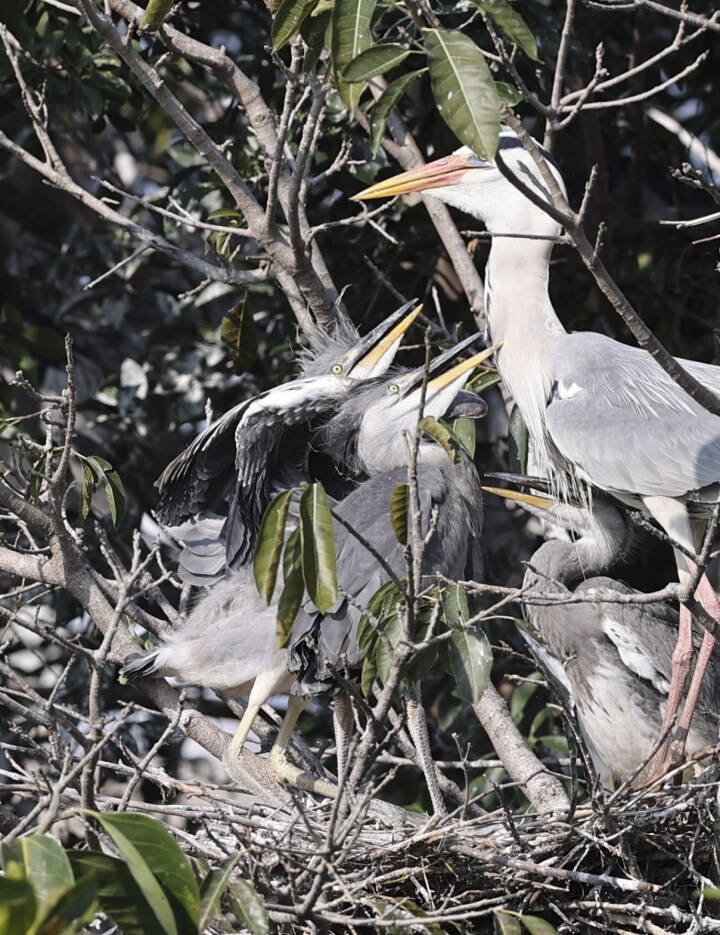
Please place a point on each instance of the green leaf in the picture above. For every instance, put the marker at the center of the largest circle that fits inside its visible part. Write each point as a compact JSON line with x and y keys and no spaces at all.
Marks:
{"x":382,"y":605}
{"x":158,"y":865}
{"x":386,"y":104}
{"x":537,"y":926}
{"x":89,"y":480}
{"x":212,"y":891}
{"x":517,"y":442}
{"x":506,"y":923}
{"x":455,"y":605}
{"x":75,"y":907}
{"x":14,"y":892}
{"x":483,"y":381}
{"x":45,"y":864}
{"x":464,"y":89}
{"x":511,"y":23}
{"x":115,"y":495}
{"x":239,"y":332}
{"x":383,"y":652}
{"x":293,"y":589}
{"x":471,"y":658}
{"x":268,"y":548}
{"x":465,"y":431}
{"x":317,"y":541}
{"x":508,"y":93}
{"x":121,"y":899}
{"x":441,"y":434}
{"x":368,"y":675}
{"x":522,"y":693}
{"x":155,"y":14}
{"x":350,"y":36}
{"x":288,"y":19}
{"x":313,"y":32}
{"x":375,"y":61}
{"x":399,"y":512}
{"x":249,"y":907}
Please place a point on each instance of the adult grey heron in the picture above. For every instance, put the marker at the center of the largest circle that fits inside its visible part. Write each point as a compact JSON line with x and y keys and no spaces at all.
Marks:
{"x":218,"y":488}
{"x":597,"y":410}
{"x":229,"y":641}
{"x":613,"y":660}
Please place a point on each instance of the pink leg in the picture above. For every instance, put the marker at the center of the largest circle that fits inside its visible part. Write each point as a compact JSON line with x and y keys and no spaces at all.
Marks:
{"x":681,"y":662}
{"x":710,"y":602}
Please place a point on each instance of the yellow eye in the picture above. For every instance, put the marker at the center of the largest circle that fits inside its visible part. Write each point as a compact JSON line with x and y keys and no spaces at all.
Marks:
{"x":337,"y":368}
{"x":393,"y":388}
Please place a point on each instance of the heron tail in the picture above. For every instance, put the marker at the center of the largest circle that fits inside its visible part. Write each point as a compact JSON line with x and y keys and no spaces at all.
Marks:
{"x":140,"y":665}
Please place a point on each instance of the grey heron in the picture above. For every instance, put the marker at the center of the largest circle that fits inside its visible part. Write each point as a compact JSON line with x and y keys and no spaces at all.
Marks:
{"x":598,"y":411}
{"x":217,"y":489}
{"x":229,"y":641}
{"x":613,"y":659}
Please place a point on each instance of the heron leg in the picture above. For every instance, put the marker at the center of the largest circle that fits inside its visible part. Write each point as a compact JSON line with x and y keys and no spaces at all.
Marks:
{"x":680,"y":668}
{"x":417,"y":725}
{"x":343,"y":723}
{"x":710,"y":602}
{"x":283,"y":768}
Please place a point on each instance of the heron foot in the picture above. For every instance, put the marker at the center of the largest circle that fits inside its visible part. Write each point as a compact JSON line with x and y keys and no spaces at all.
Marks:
{"x":288,"y":772}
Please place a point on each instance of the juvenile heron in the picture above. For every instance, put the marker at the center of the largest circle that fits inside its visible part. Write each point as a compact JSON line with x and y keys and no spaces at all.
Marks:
{"x":229,"y":641}
{"x":613,"y":660}
{"x":597,"y":410}
{"x":220,"y":485}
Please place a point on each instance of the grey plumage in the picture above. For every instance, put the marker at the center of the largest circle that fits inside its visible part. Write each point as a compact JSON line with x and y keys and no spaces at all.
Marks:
{"x":614,"y":660}
{"x":218,"y":488}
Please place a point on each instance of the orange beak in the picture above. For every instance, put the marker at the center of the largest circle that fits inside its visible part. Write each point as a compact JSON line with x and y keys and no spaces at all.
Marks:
{"x":437,"y":174}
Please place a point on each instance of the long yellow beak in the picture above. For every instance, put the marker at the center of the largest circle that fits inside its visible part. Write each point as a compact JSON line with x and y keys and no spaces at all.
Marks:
{"x":543,"y":503}
{"x":445,"y":379}
{"x":437,"y":174}
{"x":373,"y":356}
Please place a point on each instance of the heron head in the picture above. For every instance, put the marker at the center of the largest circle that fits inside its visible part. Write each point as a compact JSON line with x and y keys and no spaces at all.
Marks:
{"x":343,"y":353}
{"x":393,"y":406}
{"x":476,"y":186}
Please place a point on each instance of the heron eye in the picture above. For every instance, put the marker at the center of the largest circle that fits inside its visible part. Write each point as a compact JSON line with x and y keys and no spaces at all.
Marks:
{"x":393,"y":388}
{"x":337,"y":368}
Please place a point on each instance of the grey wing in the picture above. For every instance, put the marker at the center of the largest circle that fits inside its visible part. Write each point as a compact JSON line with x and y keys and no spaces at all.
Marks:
{"x":625,"y":424}
{"x":319,"y":641}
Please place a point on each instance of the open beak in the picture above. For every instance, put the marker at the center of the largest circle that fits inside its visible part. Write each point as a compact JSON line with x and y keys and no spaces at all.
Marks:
{"x":542,"y":503}
{"x":459,"y":370}
{"x":374,"y":353}
{"x":438,"y":174}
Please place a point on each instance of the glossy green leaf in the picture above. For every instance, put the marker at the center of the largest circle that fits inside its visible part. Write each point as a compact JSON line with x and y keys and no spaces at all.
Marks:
{"x":317,"y":542}
{"x":508,"y":93}
{"x":350,"y":36}
{"x":368,"y":674}
{"x":518,"y":441}
{"x":537,"y":926}
{"x":115,"y":494}
{"x":249,"y":907}
{"x":45,"y":865}
{"x":441,"y":434}
{"x":506,"y":923}
{"x":385,"y":105}
{"x":374,"y":61}
{"x":464,"y":429}
{"x":455,"y":605}
{"x":120,"y":898}
{"x":399,"y":501}
{"x":87,"y":488}
{"x":471,"y":659}
{"x":483,"y":380}
{"x":382,"y":605}
{"x":212,"y":891}
{"x":73,"y":909}
{"x":239,"y":332}
{"x":511,"y":23}
{"x":522,"y":693}
{"x":293,"y":589}
{"x":155,"y":14}
{"x":313,"y":31}
{"x":383,"y":655}
{"x":269,"y":545}
{"x":464,"y":89}
{"x":14,"y":892}
{"x":288,"y":19}
{"x":158,"y":865}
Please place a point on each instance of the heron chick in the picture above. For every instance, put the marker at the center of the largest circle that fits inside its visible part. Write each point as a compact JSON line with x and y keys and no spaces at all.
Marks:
{"x":229,"y":641}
